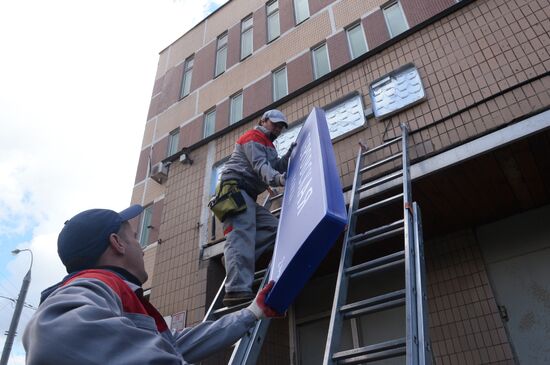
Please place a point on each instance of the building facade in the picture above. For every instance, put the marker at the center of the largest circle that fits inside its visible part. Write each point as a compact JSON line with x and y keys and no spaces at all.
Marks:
{"x":469,"y":78}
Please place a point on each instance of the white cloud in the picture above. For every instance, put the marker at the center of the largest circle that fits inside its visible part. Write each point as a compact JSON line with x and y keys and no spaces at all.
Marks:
{"x":76,"y":81}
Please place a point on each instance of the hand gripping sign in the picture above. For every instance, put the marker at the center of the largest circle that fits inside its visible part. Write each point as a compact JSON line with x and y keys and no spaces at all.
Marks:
{"x":313,"y":212}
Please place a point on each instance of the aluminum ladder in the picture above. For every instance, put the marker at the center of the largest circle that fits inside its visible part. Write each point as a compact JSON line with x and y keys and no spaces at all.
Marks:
{"x":247,"y":349}
{"x":415,"y":345}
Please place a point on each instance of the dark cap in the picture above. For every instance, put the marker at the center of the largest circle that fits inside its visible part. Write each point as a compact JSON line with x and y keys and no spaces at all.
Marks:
{"x":275,"y":116}
{"x":85,"y":236}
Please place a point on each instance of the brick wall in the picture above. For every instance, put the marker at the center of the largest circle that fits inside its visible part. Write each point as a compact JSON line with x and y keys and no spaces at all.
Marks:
{"x":465,"y":325}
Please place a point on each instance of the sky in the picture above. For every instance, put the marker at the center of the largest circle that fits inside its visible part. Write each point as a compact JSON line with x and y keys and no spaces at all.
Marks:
{"x":76,"y":79}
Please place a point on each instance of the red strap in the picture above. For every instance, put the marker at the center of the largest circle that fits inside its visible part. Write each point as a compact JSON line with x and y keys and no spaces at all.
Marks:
{"x":255,"y":135}
{"x":131,"y":302}
{"x":227,"y":230}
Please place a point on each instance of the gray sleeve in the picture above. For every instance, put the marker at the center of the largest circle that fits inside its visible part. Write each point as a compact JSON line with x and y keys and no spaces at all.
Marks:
{"x":281,"y":164}
{"x":256,"y":154}
{"x":198,"y":342}
{"x":83,"y":323}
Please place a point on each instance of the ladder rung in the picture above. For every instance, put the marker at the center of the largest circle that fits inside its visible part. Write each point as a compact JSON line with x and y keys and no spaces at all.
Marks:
{"x":372,"y":352}
{"x":373,"y":305}
{"x":379,"y":238}
{"x":377,"y":148}
{"x":275,"y":197}
{"x":379,"y":204}
{"x":380,"y":181}
{"x":381,"y":162}
{"x":260,"y":273}
{"x":275,"y":211}
{"x":387,"y":354}
{"x":377,"y":231}
{"x":225,"y":310}
{"x":377,"y":265}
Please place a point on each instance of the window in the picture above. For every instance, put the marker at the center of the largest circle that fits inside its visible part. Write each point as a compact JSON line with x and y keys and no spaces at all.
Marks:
{"x":273,"y":26}
{"x":280,"y":87}
{"x":301,"y":10}
{"x":356,"y":41}
{"x":209,"y":123}
{"x":187,"y":74}
{"x":216,"y":175}
{"x":146,"y":218}
{"x":236,"y":108}
{"x":342,"y":119}
{"x":246,"y":37}
{"x":321,"y":65}
{"x":173,"y":142}
{"x":221,"y":55}
{"x":395,"y":18}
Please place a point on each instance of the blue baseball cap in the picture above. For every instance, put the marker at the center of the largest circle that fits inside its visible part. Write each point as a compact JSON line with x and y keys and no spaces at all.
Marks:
{"x":276,"y":116}
{"x":85,"y":236}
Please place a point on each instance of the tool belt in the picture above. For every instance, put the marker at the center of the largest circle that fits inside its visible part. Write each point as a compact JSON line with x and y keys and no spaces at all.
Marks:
{"x":228,"y":200}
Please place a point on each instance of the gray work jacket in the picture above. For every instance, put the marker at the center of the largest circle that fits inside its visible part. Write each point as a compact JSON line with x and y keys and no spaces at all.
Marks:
{"x":86,"y":322}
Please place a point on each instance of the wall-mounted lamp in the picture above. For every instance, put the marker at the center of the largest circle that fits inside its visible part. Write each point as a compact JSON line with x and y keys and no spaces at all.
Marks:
{"x":185,"y":157}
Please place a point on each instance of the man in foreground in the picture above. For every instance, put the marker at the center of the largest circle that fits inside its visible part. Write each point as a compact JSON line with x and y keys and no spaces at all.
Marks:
{"x":98,"y":315}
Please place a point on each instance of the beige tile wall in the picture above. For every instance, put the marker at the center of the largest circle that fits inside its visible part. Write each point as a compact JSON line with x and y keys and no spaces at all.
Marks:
{"x":349,"y":11}
{"x":265,"y":60}
{"x":153,"y":190}
{"x":174,"y":116}
{"x":149,"y":132}
{"x":465,"y":324}
{"x":149,"y":259}
{"x":183,"y":48}
{"x":219,"y":22}
{"x":137,"y":193}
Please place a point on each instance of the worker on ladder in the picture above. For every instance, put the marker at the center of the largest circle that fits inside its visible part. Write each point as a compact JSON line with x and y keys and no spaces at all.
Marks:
{"x":250,"y":229}
{"x":98,"y":315}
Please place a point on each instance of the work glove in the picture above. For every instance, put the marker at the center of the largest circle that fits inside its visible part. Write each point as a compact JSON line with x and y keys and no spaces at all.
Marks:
{"x":282,"y":179}
{"x":289,"y":152}
{"x":258,"y":306}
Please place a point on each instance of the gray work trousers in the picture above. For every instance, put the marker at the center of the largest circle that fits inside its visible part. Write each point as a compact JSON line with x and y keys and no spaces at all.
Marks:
{"x":251,"y":233}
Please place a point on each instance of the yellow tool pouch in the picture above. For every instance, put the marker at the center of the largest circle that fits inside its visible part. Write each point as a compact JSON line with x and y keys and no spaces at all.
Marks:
{"x":228,"y":200}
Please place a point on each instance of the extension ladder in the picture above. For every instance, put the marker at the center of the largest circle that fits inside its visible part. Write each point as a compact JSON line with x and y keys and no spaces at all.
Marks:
{"x":415,"y":345}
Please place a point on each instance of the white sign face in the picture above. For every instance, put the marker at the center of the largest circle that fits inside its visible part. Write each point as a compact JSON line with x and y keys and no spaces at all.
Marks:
{"x":396,"y":91}
{"x":178,"y":321}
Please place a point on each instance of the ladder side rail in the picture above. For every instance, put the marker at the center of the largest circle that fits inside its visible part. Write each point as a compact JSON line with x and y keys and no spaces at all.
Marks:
{"x":424,"y":349}
{"x":248,"y":348}
{"x":410,"y":283}
{"x":216,"y":303}
{"x":341,"y":292}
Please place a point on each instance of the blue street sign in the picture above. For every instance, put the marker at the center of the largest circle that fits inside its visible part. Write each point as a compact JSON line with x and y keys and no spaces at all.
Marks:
{"x":313,"y":213}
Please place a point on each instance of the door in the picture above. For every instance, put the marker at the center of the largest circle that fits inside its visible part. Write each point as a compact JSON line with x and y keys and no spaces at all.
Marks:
{"x":517,"y":254}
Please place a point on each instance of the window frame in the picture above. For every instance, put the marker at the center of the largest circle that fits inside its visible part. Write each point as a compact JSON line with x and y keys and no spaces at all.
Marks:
{"x":173,"y":142}
{"x":245,"y":31}
{"x":306,"y":2}
{"x":350,"y":48}
{"x":314,"y":60}
{"x":233,"y":97}
{"x":207,"y":114}
{"x":219,"y":49}
{"x":187,"y":75}
{"x":270,"y":14}
{"x":144,"y":230}
{"x":401,"y":11}
{"x":275,"y":72}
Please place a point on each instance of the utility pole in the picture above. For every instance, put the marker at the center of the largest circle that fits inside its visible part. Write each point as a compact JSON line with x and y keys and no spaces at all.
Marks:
{"x":17,"y":312}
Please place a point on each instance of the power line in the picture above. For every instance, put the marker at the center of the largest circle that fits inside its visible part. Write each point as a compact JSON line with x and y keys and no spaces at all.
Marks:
{"x":26,"y":305}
